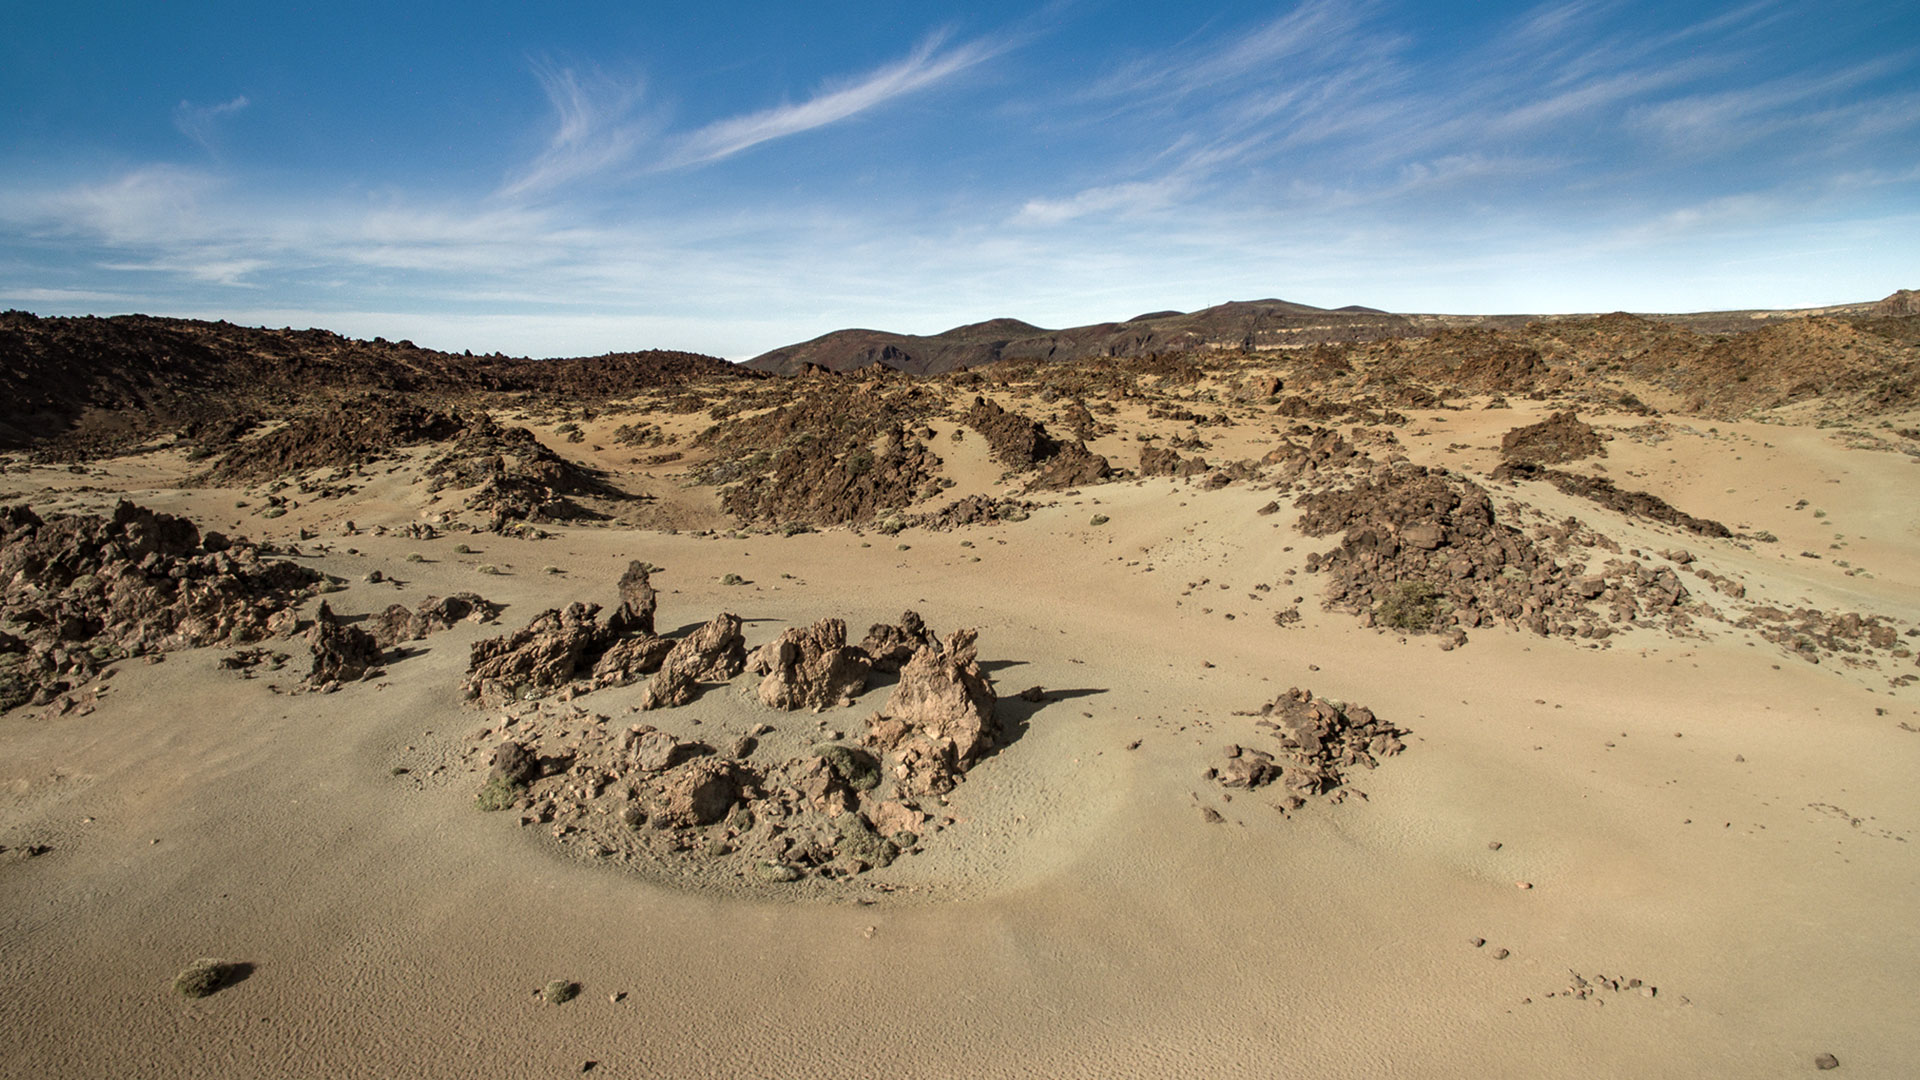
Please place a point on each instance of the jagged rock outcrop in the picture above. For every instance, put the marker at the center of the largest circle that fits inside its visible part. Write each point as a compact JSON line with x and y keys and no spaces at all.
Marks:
{"x":341,"y":653}
{"x":1319,"y":742}
{"x":637,"y":601}
{"x":79,"y":591}
{"x":889,"y":645}
{"x":540,"y":657}
{"x":398,"y":623}
{"x":939,"y":718}
{"x":1560,"y":437}
{"x":810,"y":668}
{"x":714,"y":653}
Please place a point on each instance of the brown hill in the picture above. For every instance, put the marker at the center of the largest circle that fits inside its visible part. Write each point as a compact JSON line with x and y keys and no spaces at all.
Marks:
{"x":1240,"y":324}
{"x":92,"y":382}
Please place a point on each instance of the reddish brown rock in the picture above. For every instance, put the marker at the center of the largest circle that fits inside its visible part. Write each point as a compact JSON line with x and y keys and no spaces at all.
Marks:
{"x":943,"y":694}
{"x":697,"y":793}
{"x":80,"y":590}
{"x":637,"y":602}
{"x":536,"y":659}
{"x":714,"y":653}
{"x":889,"y":645}
{"x":627,"y":660}
{"x":810,"y":667}
{"x":340,"y":653}
{"x":1560,"y":437}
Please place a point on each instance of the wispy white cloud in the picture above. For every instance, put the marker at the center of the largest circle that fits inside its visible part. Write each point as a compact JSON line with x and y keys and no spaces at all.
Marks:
{"x":1111,"y":199}
{"x":200,"y":122}
{"x":928,"y":65}
{"x":594,"y":128}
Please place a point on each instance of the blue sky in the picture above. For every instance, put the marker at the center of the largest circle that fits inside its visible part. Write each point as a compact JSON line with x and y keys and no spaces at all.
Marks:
{"x":571,"y":178}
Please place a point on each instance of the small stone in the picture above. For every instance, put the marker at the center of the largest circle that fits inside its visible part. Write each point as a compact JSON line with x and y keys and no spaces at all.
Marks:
{"x":1501,"y":954}
{"x":1477,"y":941}
{"x":616,"y":997}
{"x":1647,"y":991}
{"x":1211,"y":815}
{"x":1826,"y":1061}
{"x":1493,"y":845}
{"x":1523,"y":885}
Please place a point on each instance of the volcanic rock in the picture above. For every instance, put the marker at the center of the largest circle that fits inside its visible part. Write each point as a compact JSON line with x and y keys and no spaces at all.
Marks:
{"x":810,"y":667}
{"x":891,"y":645}
{"x":1560,"y":437}
{"x":536,"y":659}
{"x":715,"y":652}
{"x":340,"y":653}
{"x":79,"y":591}
{"x":698,"y":793}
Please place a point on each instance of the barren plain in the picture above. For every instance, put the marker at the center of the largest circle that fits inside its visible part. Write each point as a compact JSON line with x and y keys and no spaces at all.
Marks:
{"x":1524,"y":701}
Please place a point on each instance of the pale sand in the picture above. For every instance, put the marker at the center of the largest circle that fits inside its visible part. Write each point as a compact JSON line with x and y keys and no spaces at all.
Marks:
{"x":1081,"y":919}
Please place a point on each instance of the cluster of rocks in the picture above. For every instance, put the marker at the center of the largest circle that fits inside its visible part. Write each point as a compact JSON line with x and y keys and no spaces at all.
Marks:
{"x":399,"y":624}
{"x":834,"y":454}
{"x":344,"y":652}
{"x":747,"y":812}
{"x":973,"y":510}
{"x":1560,"y":437}
{"x":1022,"y":444}
{"x":345,"y":434}
{"x":1580,"y":987}
{"x":80,"y":591}
{"x":1316,"y":744}
{"x":1639,"y":504}
{"x":1810,"y":633}
{"x":562,"y":645}
{"x":515,"y":477}
{"x":1422,"y":550}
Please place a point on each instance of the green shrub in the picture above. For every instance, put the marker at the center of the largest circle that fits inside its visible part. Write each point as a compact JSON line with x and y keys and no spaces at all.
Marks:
{"x":1409,"y":605}
{"x":497,"y":794}
{"x":202,"y":977}
{"x":856,"y":768}
{"x":559,"y":991}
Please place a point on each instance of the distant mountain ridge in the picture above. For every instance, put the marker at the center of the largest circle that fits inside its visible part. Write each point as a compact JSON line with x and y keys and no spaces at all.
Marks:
{"x":1247,"y":324}
{"x":1250,"y":325}
{"x":86,"y":378}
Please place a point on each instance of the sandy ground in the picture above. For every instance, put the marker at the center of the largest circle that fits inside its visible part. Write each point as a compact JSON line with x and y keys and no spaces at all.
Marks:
{"x":1733,"y":826}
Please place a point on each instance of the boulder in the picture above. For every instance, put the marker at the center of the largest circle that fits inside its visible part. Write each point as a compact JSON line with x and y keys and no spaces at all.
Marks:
{"x":538,"y":658}
{"x":714,"y":653}
{"x":890,"y":645}
{"x":943,"y":694}
{"x":340,"y":653}
{"x":698,"y":793}
{"x":637,"y":602}
{"x":810,"y":667}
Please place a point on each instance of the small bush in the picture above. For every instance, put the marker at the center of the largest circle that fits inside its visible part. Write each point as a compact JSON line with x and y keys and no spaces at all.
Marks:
{"x":733,"y":579}
{"x":486,"y":568}
{"x":856,"y":768}
{"x":1409,"y":605}
{"x":559,"y":992}
{"x":497,"y":794}
{"x":202,"y":978}
{"x":462,"y":549}
{"x":416,"y":557}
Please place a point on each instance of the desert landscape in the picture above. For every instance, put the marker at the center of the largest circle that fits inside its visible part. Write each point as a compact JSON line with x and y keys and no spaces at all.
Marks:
{"x":1265,"y":690}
